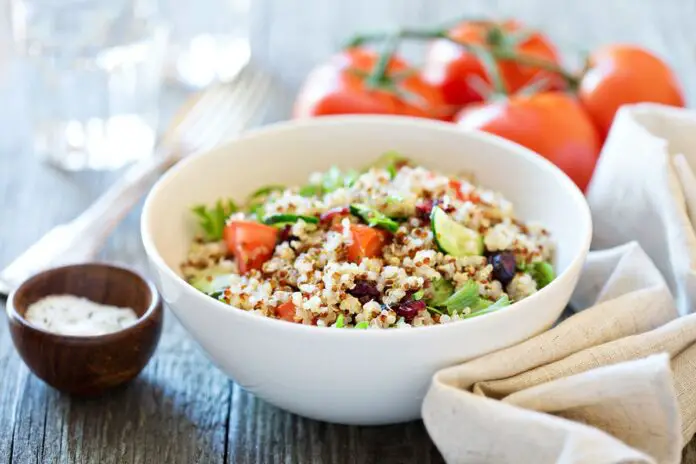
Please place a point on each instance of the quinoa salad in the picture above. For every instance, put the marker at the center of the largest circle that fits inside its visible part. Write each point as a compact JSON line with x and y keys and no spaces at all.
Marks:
{"x":392,"y":245}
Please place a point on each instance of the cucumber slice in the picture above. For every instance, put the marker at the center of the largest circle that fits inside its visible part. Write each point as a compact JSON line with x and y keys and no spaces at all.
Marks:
{"x":373,"y":218}
{"x":210,"y":283}
{"x":453,"y":238}
{"x":285,"y":219}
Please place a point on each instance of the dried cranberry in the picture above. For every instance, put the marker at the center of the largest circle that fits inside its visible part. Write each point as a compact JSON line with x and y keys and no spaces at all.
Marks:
{"x":327,"y":217}
{"x":365,"y":291}
{"x":424,"y":208}
{"x":285,"y":234}
{"x":504,"y":266}
{"x":408,"y":309}
{"x":448,"y":208}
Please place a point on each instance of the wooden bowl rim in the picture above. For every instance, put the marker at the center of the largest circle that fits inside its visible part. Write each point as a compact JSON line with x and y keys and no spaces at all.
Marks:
{"x":152,"y":310}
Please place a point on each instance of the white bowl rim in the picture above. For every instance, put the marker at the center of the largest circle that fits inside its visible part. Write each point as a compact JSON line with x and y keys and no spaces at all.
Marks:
{"x":333,"y":120}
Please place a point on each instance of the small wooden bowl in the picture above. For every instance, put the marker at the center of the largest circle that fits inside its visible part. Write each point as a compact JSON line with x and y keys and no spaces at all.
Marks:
{"x":87,"y":365}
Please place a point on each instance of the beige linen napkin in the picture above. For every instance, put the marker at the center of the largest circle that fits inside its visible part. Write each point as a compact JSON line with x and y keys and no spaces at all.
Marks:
{"x":615,"y":382}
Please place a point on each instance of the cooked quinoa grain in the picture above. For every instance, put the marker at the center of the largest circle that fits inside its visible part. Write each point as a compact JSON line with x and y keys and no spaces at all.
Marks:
{"x":396,"y":245}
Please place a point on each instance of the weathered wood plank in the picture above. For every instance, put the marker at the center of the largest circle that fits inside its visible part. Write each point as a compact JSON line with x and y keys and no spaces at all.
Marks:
{"x":261,"y":433}
{"x":9,"y":365}
{"x":30,"y":421}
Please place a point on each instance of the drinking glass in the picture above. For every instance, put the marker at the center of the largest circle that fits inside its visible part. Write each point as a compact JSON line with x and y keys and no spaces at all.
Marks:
{"x":93,"y":73}
{"x":209,"y":40}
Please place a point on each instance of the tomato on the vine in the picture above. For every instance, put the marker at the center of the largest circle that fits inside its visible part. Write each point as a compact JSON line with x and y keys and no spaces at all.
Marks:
{"x":624,"y":74}
{"x":456,"y":71}
{"x":552,"y":124}
{"x":342,"y":86}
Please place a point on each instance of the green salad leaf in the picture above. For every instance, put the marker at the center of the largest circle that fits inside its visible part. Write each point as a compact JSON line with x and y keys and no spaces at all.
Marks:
{"x":256,"y":209}
{"x":212,"y":220}
{"x":332,"y":180}
{"x":340,"y":322}
{"x":542,"y":272}
{"x":487,"y":306}
{"x":310,"y":190}
{"x":439,"y":292}
{"x":466,"y":297}
{"x":362,"y":325}
{"x":434,"y":310}
{"x":391,"y":161}
{"x":442,"y":297}
{"x":335,"y":179}
{"x":267,"y":190}
{"x":350,"y":177}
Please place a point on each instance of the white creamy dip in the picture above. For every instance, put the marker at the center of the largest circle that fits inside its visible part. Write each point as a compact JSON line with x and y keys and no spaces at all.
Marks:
{"x":73,"y":315}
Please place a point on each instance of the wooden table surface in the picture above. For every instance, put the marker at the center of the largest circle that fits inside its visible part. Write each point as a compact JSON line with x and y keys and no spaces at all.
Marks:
{"x":181,"y":409}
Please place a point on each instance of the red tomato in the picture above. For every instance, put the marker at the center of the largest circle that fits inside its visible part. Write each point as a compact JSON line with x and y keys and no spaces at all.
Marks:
{"x":367,"y":242}
{"x":456,"y":71}
{"x":251,"y":243}
{"x":286,"y":311}
{"x":551,"y":123}
{"x":623,"y":74}
{"x":339,"y":87}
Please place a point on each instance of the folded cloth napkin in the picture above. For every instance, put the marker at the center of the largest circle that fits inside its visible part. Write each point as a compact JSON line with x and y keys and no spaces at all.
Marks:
{"x":616,"y":382}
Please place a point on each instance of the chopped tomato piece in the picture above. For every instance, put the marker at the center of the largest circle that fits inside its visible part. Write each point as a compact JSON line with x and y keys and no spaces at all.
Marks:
{"x":367,"y":242}
{"x":461,"y":196}
{"x":286,"y":311}
{"x":251,"y":243}
{"x":457,"y":187}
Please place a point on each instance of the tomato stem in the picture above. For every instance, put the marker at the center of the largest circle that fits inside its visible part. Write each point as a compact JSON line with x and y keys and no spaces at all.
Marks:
{"x":489,"y":56}
{"x":378,"y":77}
{"x":490,"y":64}
{"x":371,"y":37}
{"x":527,"y":60}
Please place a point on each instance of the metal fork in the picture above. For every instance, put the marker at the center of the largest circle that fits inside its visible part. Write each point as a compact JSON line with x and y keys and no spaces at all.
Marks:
{"x":219,"y":113}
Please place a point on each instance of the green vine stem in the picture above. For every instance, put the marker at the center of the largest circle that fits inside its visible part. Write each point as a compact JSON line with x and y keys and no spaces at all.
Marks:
{"x":490,"y":64}
{"x":572,"y":80}
{"x":378,"y":77}
{"x":497,"y":53}
{"x":371,"y":37}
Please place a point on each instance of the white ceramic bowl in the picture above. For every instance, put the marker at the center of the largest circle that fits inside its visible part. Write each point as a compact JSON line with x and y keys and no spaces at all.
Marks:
{"x":355,"y":376}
